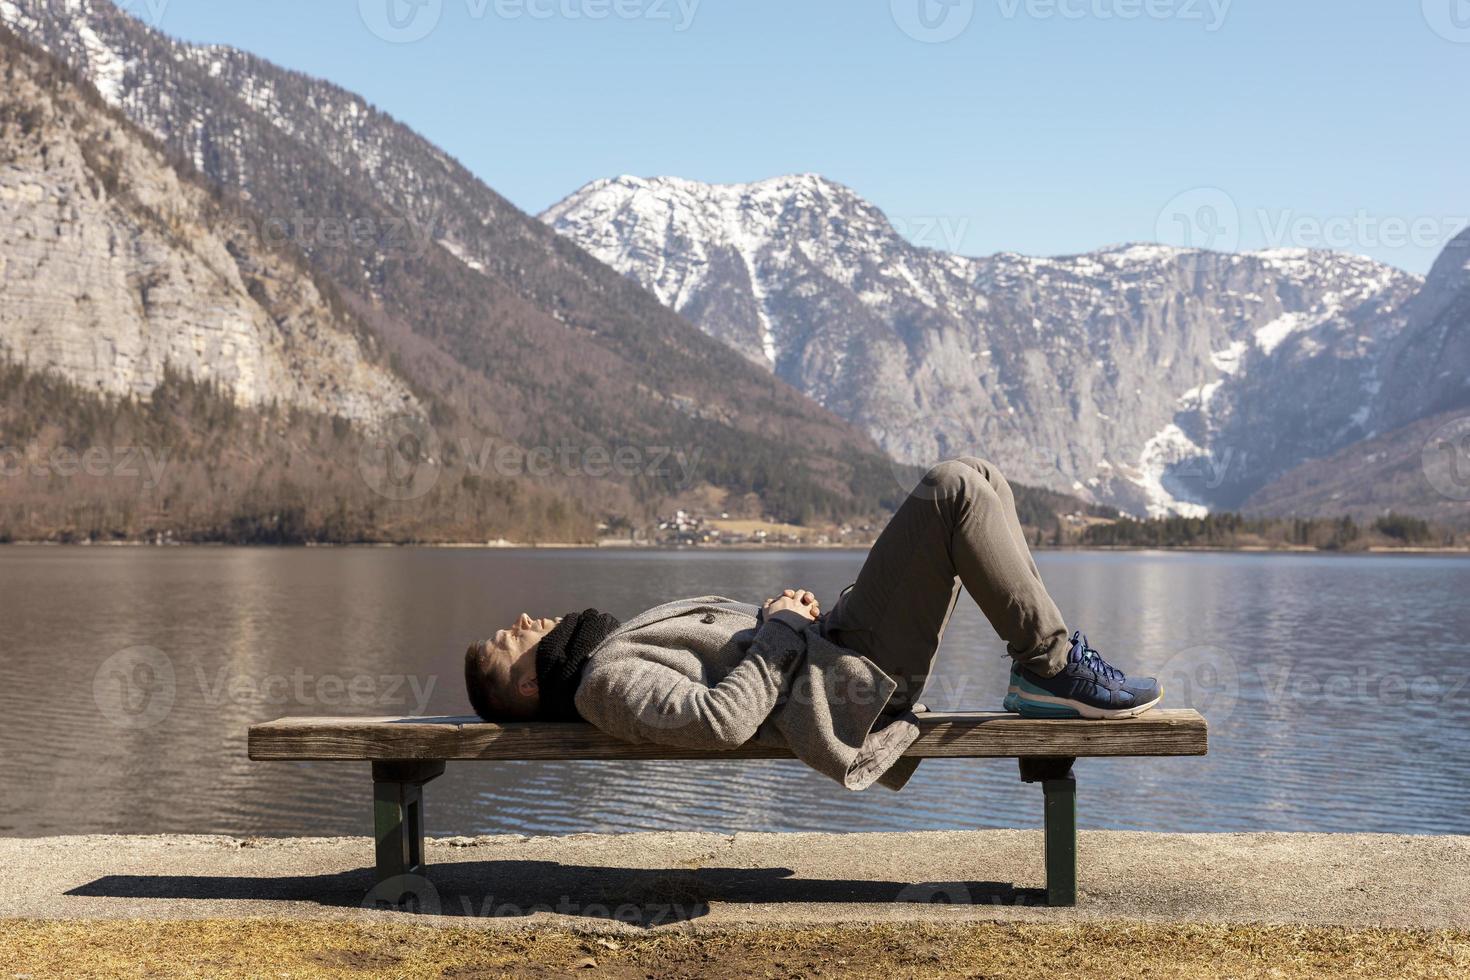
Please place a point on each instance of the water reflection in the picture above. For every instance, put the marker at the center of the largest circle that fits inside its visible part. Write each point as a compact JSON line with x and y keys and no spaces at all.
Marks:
{"x":1334,"y":687}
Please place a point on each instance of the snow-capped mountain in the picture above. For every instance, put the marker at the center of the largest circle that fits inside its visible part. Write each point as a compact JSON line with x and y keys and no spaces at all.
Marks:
{"x":1152,"y":378}
{"x":1419,"y":410}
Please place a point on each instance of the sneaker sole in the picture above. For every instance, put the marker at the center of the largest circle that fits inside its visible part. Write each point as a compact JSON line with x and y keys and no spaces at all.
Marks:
{"x":1042,"y":706}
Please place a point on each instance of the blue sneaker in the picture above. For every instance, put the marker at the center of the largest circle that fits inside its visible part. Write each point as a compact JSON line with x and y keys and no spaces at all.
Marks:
{"x":1012,"y":702}
{"x":1088,"y":687}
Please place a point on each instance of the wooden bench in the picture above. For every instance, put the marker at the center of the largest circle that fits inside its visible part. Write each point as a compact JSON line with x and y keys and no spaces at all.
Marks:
{"x":408,"y":752}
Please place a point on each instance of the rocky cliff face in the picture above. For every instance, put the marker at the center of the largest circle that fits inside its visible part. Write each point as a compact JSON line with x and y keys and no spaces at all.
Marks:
{"x":115,"y":267}
{"x":1414,"y":459}
{"x":501,"y":325}
{"x":1427,"y":368}
{"x":1151,"y":378}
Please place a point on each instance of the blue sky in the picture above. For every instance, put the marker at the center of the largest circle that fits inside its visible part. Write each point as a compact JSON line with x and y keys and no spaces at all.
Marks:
{"x":1038,"y":126}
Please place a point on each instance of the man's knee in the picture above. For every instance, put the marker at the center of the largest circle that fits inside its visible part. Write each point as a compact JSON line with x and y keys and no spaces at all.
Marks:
{"x":965,"y":476}
{"x":991,"y":473}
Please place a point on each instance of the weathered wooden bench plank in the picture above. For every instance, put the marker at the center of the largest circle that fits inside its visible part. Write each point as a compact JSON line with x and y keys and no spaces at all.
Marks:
{"x":406,"y":753}
{"x":967,"y":735}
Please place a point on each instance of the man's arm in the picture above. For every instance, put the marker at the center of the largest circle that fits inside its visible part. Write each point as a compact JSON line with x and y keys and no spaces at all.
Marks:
{"x":639,"y":699}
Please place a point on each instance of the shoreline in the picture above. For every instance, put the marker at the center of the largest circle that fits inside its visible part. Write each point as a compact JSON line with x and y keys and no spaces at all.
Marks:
{"x":1375,"y":550}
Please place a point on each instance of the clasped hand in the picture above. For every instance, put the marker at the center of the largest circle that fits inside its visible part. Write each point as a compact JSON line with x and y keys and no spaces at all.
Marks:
{"x":799,"y":601}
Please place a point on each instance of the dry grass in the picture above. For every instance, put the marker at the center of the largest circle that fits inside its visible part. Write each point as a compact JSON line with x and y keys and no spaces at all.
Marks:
{"x":275,"y":948}
{"x":736,"y":525}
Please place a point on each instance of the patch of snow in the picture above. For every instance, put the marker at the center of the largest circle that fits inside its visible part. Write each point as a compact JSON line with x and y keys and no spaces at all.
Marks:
{"x":758,"y":290}
{"x":1199,"y":397}
{"x":1228,"y":360}
{"x":107,"y":67}
{"x":1293,"y":254}
{"x":1167,"y":446}
{"x":10,"y":13}
{"x":260,"y":95}
{"x":1131,"y":254}
{"x":459,"y":253}
{"x":1269,"y":337}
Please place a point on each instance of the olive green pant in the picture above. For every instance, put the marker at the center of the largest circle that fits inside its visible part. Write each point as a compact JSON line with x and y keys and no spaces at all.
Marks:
{"x":957,"y":527}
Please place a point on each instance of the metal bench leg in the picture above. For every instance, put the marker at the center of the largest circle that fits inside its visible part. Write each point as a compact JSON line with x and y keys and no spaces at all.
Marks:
{"x":1059,"y":790}
{"x":398,"y":815}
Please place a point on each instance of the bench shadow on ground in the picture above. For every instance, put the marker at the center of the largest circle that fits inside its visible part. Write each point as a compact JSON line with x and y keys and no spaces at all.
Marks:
{"x":515,"y":889}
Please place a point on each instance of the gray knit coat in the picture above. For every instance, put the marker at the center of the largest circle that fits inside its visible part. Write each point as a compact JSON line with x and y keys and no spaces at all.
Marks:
{"x":709,"y":674}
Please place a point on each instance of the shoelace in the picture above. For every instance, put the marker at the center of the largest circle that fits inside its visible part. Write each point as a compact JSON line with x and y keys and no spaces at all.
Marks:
{"x":1094,"y":660}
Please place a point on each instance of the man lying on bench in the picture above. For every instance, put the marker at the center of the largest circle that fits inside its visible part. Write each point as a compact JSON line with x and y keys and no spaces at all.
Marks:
{"x":837,"y":688}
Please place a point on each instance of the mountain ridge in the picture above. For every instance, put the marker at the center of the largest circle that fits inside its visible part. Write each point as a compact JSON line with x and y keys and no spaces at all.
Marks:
{"x":1146,"y":377}
{"x":1153,"y":378}
{"x":504,"y":326}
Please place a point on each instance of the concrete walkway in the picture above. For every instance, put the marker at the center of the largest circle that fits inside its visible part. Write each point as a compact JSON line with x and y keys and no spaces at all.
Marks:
{"x":707,"y":880}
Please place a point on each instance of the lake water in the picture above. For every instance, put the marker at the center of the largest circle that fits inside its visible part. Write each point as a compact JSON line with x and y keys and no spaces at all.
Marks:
{"x":1334,"y":686}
